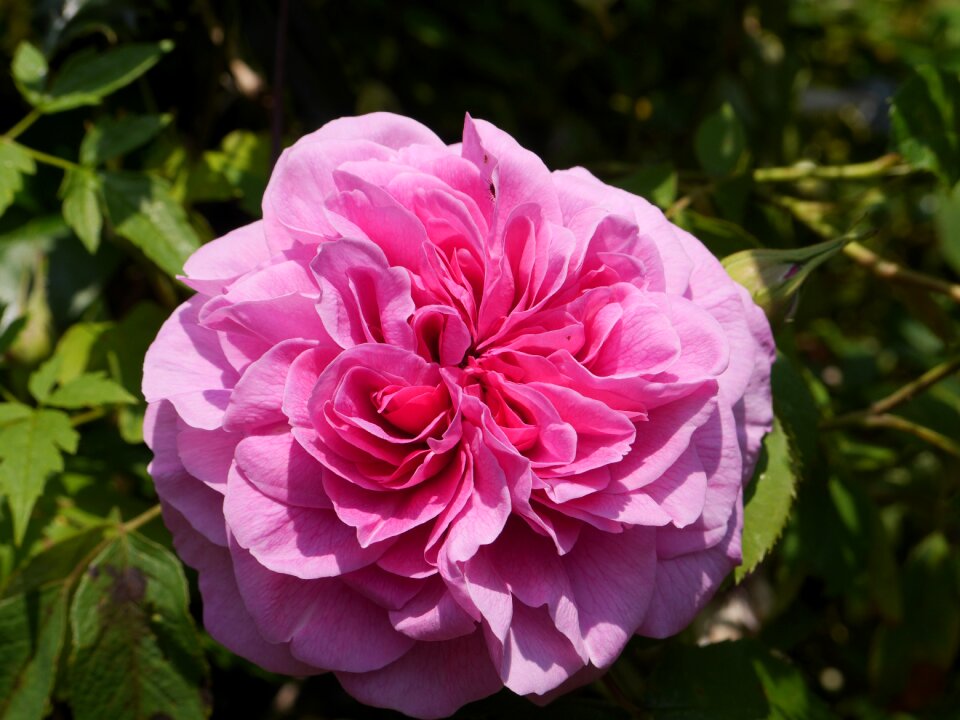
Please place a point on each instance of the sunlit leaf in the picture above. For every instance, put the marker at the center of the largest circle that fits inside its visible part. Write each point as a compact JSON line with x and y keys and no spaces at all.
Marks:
{"x":136,"y":653}
{"x":81,"y":207}
{"x":110,"y":137}
{"x":142,"y":210}
{"x":15,"y":162}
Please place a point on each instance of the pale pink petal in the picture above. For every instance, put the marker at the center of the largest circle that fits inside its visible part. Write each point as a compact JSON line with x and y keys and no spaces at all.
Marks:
{"x":215,"y":265}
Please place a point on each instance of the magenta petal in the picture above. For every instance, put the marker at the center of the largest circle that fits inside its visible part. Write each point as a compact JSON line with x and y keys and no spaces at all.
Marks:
{"x":459,"y":671}
{"x":207,"y":454}
{"x":280,"y":468}
{"x":186,"y":366}
{"x":257,"y":399}
{"x":199,"y":504}
{"x":536,"y":657}
{"x":613,"y":577}
{"x":432,"y":615}
{"x":224,"y":615}
{"x":303,"y":542}
{"x":215,"y":265}
{"x":327,"y":624}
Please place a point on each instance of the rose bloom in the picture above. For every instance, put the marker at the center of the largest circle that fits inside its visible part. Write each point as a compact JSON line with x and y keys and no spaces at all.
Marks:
{"x":445,"y":421}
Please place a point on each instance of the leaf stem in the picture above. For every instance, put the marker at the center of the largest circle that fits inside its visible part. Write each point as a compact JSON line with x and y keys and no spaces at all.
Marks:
{"x":141,"y":519}
{"x":21,"y":127}
{"x":47,"y":159}
{"x":87,"y":416}
{"x":886,"y":165}
{"x":895,"y":422}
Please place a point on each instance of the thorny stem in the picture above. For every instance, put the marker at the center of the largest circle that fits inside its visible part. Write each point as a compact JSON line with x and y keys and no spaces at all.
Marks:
{"x":886,"y":165}
{"x":21,"y":127}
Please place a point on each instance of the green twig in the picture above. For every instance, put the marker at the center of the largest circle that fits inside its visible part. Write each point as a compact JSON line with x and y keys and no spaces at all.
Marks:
{"x":21,"y":127}
{"x":895,"y":422}
{"x":87,"y":416}
{"x":47,"y":159}
{"x":141,"y":519}
{"x":887,"y":165}
{"x":889,"y":270}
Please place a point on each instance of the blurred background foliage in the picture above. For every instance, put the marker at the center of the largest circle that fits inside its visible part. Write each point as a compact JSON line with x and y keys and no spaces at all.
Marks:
{"x":752,"y":123}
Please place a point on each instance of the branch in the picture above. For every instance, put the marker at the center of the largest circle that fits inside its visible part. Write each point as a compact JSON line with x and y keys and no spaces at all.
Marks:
{"x":886,"y":165}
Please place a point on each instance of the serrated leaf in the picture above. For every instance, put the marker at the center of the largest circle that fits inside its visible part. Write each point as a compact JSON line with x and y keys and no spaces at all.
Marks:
{"x":42,"y":380}
{"x":88,"y":77}
{"x":89,"y":390}
{"x":32,"y":628}
{"x":768,"y":499}
{"x":135,"y":649}
{"x":78,"y":347}
{"x":55,"y":563}
{"x":29,"y":70}
{"x":81,"y":207}
{"x":143,"y":211}
{"x":12,"y":411}
{"x":30,"y":453}
{"x":243,"y":160}
{"x":15,"y":162}
{"x":720,"y":142}
{"x":924,"y":120}
{"x":109,"y":137}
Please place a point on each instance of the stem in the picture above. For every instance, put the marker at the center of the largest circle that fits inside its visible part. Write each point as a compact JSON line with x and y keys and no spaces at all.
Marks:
{"x":915,"y":387}
{"x":895,"y":422}
{"x":21,"y":127}
{"x":889,"y":270}
{"x":50,"y":159}
{"x":87,"y":416}
{"x":886,"y":165}
{"x":879,"y":266}
{"x":141,"y":519}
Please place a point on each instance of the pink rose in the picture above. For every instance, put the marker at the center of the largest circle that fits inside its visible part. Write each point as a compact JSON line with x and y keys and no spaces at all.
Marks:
{"x":444,"y":421}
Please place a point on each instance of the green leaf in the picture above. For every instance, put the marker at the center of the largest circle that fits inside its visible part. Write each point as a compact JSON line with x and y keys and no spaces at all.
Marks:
{"x":55,"y":563}
{"x":10,"y":412}
{"x":948,"y":227}
{"x":656,"y":183}
{"x":30,"y":453}
{"x":109,"y":137}
{"x":720,"y":142}
{"x":86,"y":78}
{"x":729,"y":681}
{"x":15,"y":162}
{"x":925,"y":642}
{"x":768,"y":499}
{"x":29,"y":70}
{"x":89,"y":390}
{"x":143,"y":211}
{"x":78,"y":347}
{"x":135,"y":649}
{"x":243,"y":160}
{"x":81,"y":206}
{"x":32,"y":629}
{"x":43,"y":379}
{"x":925,"y":117}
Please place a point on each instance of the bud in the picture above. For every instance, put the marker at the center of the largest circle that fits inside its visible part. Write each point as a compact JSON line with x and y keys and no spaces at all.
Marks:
{"x":773,"y":277}
{"x":34,"y":341}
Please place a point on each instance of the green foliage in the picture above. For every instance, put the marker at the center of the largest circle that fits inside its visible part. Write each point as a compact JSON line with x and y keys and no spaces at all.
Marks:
{"x":761,"y":128}
{"x":15,"y":162}
{"x":135,"y":652}
{"x":767,"y":500}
